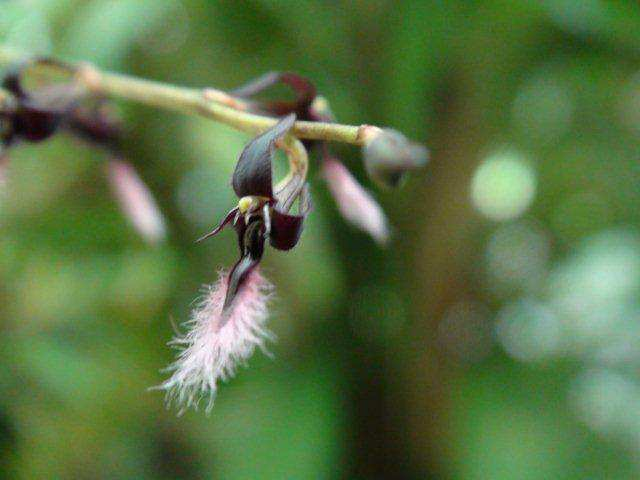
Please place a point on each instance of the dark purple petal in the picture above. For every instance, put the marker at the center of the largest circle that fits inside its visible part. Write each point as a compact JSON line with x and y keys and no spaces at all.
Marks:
{"x":238,"y":274}
{"x":38,"y":114}
{"x":253,"y":247}
{"x":240,"y":226}
{"x":253,"y":176}
{"x":34,"y":124}
{"x":11,"y":82}
{"x":286,"y":228}
{"x":228,"y":218}
{"x":305,"y":93}
{"x":305,"y":90}
{"x":253,"y":238}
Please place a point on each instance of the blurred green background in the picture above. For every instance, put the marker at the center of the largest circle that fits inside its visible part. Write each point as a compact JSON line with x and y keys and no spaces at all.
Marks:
{"x":497,"y":338}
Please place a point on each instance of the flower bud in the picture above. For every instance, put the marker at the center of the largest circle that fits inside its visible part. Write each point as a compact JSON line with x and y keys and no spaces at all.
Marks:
{"x":136,"y":201}
{"x":356,"y":205}
{"x":389,"y":155}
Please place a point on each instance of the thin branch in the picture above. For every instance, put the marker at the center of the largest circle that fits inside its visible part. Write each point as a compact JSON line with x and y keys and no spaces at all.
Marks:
{"x":209,"y":103}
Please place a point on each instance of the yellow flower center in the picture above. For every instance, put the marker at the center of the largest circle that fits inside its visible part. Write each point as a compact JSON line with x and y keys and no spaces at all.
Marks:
{"x":251,"y":203}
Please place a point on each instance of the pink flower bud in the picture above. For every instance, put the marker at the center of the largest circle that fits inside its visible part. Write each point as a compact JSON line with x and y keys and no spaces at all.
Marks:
{"x":136,"y":201}
{"x":355,"y":204}
{"x":218,"y":340}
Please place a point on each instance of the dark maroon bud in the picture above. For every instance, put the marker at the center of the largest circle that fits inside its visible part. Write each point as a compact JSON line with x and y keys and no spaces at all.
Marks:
{"x":11,"y":83}
{"x":253,"y":173}
{"x":33,"y":124}
{"x":38,"y":114}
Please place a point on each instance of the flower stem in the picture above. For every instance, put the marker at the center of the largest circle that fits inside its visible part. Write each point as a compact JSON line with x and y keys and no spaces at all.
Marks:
{"x":203,"y":102}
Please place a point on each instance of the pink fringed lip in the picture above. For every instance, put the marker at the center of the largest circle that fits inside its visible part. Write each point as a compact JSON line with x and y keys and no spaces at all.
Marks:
{"x":217,"y":342}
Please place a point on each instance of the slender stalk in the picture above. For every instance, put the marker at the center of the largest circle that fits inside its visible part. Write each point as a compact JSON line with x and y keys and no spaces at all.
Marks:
{"x":208,"y":103}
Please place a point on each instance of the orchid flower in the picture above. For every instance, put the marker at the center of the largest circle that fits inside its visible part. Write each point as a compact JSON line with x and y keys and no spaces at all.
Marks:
{"x":229,"y":323}
{"x":354,"y":202}
{"x":262,"y":213}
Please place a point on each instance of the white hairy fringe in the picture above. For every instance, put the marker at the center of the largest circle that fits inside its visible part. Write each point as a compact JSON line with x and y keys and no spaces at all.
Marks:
{"x":209,"y":352}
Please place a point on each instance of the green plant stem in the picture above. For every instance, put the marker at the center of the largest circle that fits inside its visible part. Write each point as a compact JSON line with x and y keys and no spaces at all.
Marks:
{"x":196,"y":102}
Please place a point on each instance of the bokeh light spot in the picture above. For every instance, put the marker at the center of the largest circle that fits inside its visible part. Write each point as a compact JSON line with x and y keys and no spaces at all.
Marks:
{"x":529,"y":330}
{"x":503,"y":186}
{"x":543,"y":109}
{"x":517,"y":257}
